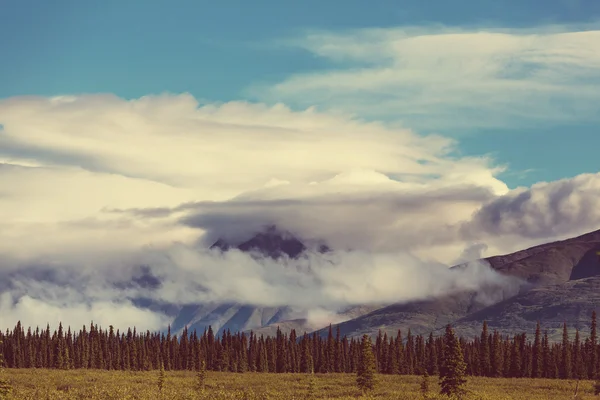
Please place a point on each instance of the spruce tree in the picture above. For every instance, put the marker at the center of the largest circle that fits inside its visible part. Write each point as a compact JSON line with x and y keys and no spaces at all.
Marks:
{"x":593,"y":356}
{"x":452,"y":371}
{"x":306,"y":361}
{"x":365,"y":373}
{"x":330,"y":351}
{"x":393,"y":367}
{"x":337,"y":351}
{"x":578,"y":365}
{"x":281,"y":360}
{"x":484,"y":352}
{"x":546,"y":373}
{"x":515,"y":358}
{"x":537,"y":361}
{"x":565,"y":372}
{"x":497,"y":359}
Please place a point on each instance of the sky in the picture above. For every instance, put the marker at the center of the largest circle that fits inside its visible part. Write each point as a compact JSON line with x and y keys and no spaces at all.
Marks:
{"x":402,"y":133}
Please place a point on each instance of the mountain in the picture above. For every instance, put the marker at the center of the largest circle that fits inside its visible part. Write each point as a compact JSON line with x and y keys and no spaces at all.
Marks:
{"x":232,"y":316}
{"x":563,"y":286}
{"x":571,"y":302}
{"x":302,"y":325}
{"x":561,"y":279}
{"x":270,"y":243}
{"x":273,"y":243}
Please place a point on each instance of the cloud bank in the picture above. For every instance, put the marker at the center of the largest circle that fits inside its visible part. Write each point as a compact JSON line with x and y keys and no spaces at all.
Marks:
{"x":106,"y":205}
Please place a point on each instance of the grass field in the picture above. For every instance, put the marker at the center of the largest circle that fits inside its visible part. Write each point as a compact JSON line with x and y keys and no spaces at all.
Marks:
{"x":106,"y":385}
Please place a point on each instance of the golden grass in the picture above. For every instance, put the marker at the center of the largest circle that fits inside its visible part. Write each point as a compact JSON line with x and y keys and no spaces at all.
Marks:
{"x":34,"y":384}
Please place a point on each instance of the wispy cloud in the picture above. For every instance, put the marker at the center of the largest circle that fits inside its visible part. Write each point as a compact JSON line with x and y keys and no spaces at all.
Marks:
{"x":448,"y":78}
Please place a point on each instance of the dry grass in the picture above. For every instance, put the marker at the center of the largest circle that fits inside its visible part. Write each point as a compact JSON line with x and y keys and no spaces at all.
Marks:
{"x":106,"y":385}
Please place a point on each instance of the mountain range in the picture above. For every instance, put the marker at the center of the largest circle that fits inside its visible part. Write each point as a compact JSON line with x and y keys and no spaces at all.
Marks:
{"x":561,"y":284}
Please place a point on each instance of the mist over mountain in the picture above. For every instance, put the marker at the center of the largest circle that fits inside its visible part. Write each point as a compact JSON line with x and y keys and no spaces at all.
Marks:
{"x":561,"y":282}
{"x":273,"y":243}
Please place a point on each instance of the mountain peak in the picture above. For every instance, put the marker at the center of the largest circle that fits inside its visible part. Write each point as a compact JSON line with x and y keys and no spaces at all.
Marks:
{"x":271,"y":242}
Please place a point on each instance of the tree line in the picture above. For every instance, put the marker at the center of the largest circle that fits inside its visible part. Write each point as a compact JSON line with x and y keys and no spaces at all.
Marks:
{"x":490,"y":354}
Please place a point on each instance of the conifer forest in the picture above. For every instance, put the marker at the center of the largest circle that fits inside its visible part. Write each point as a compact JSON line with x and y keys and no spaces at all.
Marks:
{"x":452,"y":359}
{"x":490,"y":355}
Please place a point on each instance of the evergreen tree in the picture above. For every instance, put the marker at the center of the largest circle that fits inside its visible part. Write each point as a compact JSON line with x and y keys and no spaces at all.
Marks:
{"x":525,"y":352}
{"x":393,"y":367}
{"x":365,"y":374}
{"x":484,"y":352}
{"x":330,"y":351}
{"x":546,"y":356}
{"x":593,"y":356}
{"x":432,"y":356}
{"x":338,"y":351}
{"x":578,"y":365}
{"x":282,"y":360}
{"x":452,"y":371}
{"x":515,"y":358}
{"x":497,"y":359}
{"x":410,"y":353}
{"x":306,"y":361}
{"x":565,"y":364}
{"x":537,"y":361}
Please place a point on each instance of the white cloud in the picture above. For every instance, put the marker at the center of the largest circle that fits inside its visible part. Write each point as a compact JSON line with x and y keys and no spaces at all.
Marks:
{"x":33,"y":313}
{"x":443,"y":78}
{"x":177,"y":170}
{"x":102,"y":152}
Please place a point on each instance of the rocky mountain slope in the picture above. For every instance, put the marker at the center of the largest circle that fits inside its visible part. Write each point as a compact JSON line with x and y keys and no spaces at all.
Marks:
{"x":564,"y":283}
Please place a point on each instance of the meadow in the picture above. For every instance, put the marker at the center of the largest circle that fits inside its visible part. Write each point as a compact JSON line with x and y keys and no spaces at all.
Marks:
{"x":42,"y":384}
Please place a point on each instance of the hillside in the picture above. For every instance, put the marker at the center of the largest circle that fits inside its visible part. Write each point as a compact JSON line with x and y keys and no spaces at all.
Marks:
{"x":563,"y":277}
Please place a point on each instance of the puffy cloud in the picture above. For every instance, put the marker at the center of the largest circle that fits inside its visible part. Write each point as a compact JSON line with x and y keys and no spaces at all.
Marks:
{"x":450,"y":78}
{"x":547,"y":209}
{"x":95,"y":153}
{"x":92,"y":188}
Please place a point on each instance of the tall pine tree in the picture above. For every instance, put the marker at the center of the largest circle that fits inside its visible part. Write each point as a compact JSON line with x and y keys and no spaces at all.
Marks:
{"x":484,"y":351}
{"x":565,"y":367}
{"x":452,"y":371}
{"x":365,"y":374}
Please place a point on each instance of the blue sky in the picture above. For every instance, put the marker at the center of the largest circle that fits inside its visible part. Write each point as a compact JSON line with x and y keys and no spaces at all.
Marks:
{"x":218,"y":50}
